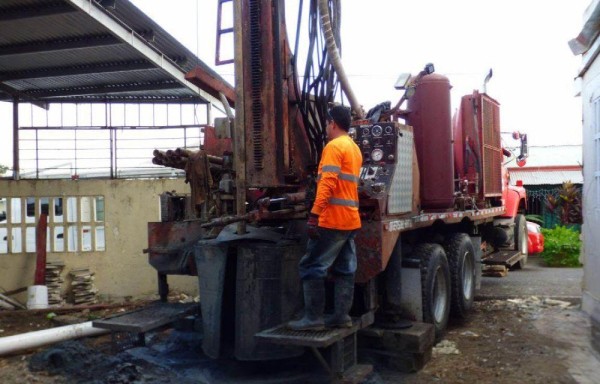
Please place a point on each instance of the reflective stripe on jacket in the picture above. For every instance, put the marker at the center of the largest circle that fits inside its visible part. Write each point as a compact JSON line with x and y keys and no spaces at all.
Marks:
{"x":337,"y":185}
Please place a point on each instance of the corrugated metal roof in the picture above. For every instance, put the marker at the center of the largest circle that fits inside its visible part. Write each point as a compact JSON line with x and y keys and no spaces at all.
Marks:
{"x":92,"y":51}
{"x":545,"y":177}
{"x":589,"y":32}
{"x":555,"y":155}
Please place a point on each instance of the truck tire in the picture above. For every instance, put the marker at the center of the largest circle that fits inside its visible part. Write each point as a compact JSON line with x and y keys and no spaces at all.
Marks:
{"x":435,"y":286}
{"x":461,"y":261}
{"x":521,"y":241}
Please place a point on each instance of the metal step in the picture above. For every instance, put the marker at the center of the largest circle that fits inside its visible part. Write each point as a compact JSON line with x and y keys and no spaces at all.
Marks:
{"x":148,"y":318}
{"x":507,"y":257}
{"x":318,"y":339}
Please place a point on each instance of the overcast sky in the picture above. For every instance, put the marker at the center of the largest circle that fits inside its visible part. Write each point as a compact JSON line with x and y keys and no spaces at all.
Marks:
{"x":523,"y":41}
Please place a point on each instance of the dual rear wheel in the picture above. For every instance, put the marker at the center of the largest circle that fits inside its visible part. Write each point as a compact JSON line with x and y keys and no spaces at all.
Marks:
{"x":447,"y":280}
{"x":521,"y":238}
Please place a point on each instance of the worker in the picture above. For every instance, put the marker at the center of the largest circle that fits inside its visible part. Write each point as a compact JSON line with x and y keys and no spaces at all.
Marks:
{"x":332,"y":226}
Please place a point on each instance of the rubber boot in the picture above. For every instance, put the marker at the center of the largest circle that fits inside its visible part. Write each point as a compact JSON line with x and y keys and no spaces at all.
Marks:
{"x":343,"y":296}
{"x":314,"y":305}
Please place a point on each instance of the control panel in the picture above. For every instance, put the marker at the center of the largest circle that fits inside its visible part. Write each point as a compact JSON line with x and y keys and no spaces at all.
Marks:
{"x":378,"y":144}
{"x":386,"y":172}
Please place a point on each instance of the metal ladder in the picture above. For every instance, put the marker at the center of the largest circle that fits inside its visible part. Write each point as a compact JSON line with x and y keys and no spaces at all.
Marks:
{"x":220,"y":32}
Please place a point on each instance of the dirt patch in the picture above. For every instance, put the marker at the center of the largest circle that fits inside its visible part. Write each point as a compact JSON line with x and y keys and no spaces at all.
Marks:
{"x":528,"y":340}
{"x":504,"y":341}
{"x":18,"y":368}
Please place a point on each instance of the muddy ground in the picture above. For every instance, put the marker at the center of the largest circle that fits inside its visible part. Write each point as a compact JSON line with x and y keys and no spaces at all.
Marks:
{"x":523,"y":340}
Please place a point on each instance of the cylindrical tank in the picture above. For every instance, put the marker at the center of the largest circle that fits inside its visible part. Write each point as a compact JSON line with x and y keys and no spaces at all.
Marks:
{"x":429,"y":114}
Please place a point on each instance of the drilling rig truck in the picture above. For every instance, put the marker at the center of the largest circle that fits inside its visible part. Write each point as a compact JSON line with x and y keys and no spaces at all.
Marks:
{"x":435,"y":202}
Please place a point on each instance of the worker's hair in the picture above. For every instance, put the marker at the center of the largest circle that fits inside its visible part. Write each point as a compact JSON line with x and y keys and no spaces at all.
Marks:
{"x":341,"y":116}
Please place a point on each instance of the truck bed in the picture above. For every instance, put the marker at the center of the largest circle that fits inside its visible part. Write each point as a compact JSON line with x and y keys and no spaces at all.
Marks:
{"x":449,"y":217}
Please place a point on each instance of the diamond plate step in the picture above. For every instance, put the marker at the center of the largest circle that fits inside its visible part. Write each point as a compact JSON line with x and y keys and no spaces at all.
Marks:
{"x":319,"y":339}
{"x":502,"y":257}
{"x":148,"y":318}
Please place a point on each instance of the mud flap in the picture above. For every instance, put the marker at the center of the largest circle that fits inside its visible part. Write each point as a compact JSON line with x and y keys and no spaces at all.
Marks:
{"x":412,"y":300}
{"x":211,"y":262}
{"x":476,"y":240}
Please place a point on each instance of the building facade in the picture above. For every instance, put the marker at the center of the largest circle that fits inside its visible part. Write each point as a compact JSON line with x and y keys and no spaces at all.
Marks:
{"x":587,"y":44}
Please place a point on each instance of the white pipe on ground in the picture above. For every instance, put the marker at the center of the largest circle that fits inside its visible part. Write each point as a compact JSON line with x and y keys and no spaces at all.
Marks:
{"x":23,"y":341}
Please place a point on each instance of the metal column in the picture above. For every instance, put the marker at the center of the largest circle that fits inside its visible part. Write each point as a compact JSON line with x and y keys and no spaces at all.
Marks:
{"x":16,"y":138}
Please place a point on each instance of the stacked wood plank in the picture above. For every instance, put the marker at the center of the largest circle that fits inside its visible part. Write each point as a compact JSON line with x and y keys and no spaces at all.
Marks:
{"x":495,"y":271}
{"x":82,"y":284}
{"x":54,"y":282}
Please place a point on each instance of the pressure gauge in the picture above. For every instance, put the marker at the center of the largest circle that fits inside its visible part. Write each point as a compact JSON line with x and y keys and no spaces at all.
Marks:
{"x":365,"y":131}
{"x":377,"y":155}
{"x":376,"y":130}
{"x":388,"y":129}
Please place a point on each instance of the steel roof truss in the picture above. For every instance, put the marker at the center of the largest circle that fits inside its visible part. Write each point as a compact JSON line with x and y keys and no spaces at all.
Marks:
{"x":127,"y":99}
{"x":103,"y":89}
{"x":138,"y":43}
{"x":81,"y":69}
{"x":42,"y":46}
{"x":39,"y":10}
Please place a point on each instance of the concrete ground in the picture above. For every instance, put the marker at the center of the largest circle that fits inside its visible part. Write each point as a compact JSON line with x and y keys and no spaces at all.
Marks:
{"x":535,"y":280}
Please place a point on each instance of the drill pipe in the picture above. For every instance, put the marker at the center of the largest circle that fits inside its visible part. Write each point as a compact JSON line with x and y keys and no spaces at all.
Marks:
{"x":254,"y":215}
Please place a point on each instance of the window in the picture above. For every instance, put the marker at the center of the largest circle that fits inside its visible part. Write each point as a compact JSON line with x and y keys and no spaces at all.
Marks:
{"x":75,"y":224}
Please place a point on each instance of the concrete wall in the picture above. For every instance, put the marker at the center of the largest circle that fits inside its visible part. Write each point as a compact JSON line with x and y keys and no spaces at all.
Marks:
{"x":590,"y":95}
{"x":122,"y":269}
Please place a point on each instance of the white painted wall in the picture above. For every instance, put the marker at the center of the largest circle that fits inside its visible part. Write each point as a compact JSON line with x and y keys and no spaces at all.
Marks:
{"x":121,"y":268}
{"x":590,"y":94}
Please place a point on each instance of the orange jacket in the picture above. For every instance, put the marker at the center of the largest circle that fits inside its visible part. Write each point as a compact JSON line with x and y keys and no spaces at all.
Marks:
{"x":337,"y":185}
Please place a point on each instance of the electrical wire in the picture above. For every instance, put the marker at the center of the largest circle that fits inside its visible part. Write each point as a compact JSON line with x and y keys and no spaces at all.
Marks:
{"x":319,"y":83}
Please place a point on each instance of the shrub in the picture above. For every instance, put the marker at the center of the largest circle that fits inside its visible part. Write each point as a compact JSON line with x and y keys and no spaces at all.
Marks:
{"x":561,"y":247}
{"x":567,"y":205}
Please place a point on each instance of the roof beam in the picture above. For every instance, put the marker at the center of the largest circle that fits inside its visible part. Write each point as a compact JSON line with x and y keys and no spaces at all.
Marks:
{"x":134,"y":99}
{"x":141,"y":46}
{"x":83,"y":69}
{"x":19,"y":95}
{"x":101,"y":89}
{"x":38,"y":10}
{"x":75,"y":42}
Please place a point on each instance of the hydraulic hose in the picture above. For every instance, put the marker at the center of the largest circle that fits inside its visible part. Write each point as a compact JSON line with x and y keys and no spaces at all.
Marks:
{"x":336,"y":61}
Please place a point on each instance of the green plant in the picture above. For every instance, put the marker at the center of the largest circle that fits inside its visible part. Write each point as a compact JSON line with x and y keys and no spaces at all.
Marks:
{"x":3,"y":169}
{"x":561,"y":247}
{"x":538,"y":219}
{"x":567,"y":205}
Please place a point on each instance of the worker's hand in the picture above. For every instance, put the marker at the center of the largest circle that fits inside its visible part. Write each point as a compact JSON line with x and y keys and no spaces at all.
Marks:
{"x":312,"y":224}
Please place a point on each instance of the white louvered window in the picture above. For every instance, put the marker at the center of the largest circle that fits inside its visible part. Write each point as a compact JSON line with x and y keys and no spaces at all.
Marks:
{"x":75,"y":223}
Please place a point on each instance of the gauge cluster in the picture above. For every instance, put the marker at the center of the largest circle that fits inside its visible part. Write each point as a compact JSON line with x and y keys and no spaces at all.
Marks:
{"x":377,"y":143}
